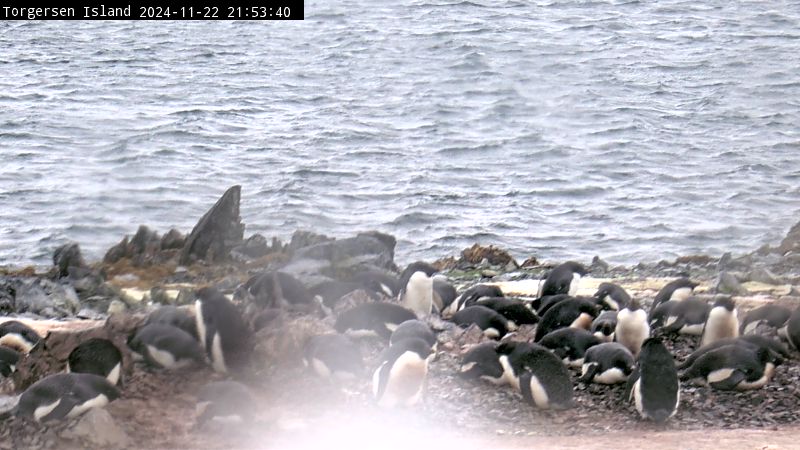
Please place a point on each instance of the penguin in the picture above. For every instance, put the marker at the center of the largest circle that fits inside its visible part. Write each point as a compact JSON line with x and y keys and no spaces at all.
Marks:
{"x":773,"y":315}
{"x":734,"y":367}
{"x":18,"y":336}
{"x":792,"y":331}
{"x":444,"y":291}
{"x":166,"y":346}
{"x":542,"y":304}
{"x":8,"y":360}
{"x":607,"y":363}
{"x":414,"y":329}
{"x":515,"y":311}
{"x":378,"y":318}
{"x":564,"y":279}
{"x":677,"y":290}
{"x":378,"y":281}
{"x":659,"y":315}
{"x":333,"y":355}
{"x":179,"y":317}
{"x":569,"y":344}
{"x":778,"y":350}
{"x":416,"y":288}
{"x":400,"y":378}
{"x":537,"y":374}
{"x":576,"y":312}
{"x":687,"y":317}
{"x":482,"y":362}
{"x":222,"y":399}
{"x":722,"y":322}
{"x":277,"y":289}
{"x":632,"y":327}
{"x":98,"y":356}
{"x":604,"y":325}
{"x":654,"y":385}
{"x":330,"y":292}
{"x":65,"y":395}
{"x":471,"y":297}
{"x":493,"y":324}
{"x":612,"y":296}
{"x":222,"y":331}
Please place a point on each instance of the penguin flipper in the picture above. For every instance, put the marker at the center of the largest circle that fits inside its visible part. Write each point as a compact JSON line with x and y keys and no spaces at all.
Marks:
{"x":591,"y":371}
{"x":630,"y":383}
{"x":674,"y":327}
{"x":730,"y":383}
{"x":383,"y":379}
{"x":67,"y":403}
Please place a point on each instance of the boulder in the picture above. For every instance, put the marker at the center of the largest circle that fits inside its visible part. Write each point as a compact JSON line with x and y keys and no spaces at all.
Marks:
{"x":762,"y":275}
{"x":44,"y":297}
{"x":727,"y":283}
{"x":791,"y":243}
{"x":253,"y":248}
{"x":99,"y":429}
{"x":218,"y":231}
{"x":66,"y":256}
{"x":282,"y":343}
{"x":373,"y":249}
{"x":495,"y":256}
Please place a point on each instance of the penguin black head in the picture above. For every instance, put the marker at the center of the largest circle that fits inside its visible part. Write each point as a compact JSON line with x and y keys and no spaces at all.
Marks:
{"x":575,"y":267}
{"x":419,"y":266}
{"x":725,"y":302}
{"x":481,"y":361}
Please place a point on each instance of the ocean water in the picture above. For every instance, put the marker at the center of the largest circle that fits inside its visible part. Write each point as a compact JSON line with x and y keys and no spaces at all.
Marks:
{"x":562,"y":129}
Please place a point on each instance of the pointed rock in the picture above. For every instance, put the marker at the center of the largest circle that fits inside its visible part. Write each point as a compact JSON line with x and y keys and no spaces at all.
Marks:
{"x":219,"y":230}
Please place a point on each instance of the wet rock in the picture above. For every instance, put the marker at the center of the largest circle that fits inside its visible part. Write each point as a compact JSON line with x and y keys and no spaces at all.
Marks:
{"x":8,"y":293}
{"x":117,"y":252}
{"x":445,"y":264}
{"x":598,"y":266}
{"x":365,"y":249}
{"x":762,"y":275}
{"x":46,"y":298}
{"x":725,"y":261}
{"x":144,"y":242}
{"x":728,"y":284}
{"x":253,"y":248}
{"x":217,"y":232}
{"x":493,"y":255}
{"x":530,"y":262}
{"x":697,"y":260}
{"x":66,"y":256}
{"x":98,"y":428}
{"x":301,"y":239}
{"x":351,"y":300}
{"x":173,"y":240}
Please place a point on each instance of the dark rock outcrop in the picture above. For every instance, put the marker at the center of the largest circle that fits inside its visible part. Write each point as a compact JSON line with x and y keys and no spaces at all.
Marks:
{"x":173,"y":240}
{"x":218,"y":231}
{"x":791,"y":243}
{"x":342,"y":256}
{"x":67,"y":256}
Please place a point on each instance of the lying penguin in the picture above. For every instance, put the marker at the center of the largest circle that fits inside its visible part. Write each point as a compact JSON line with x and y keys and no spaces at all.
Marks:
{"x":542,"y":304}
{"x":576,"y":312}
{"x":515,"y":311}
{"x":371,"y":319}
{"x":333,"y":355}
{"x":472,"y":296}
{"x":493,"y":324}
{"x":778,"y":350}
{"x":8,"y":360}
{"x":399,"y":380}
{"x":654,"y":386}
{"x":98,"y":356}
{"x":677,"y":290}
{"x":604,"y":325}
{"x":18,"y":336}
{"x":772,"y":315}
{"x":179,"y":317}
{"x":687,"y":317}
{"x":166,"y":346}
{"x":224,"y":399}
{"x":537,"y":374}
{"x":564,"y":279}
{"x":607,"y":363}
{"x":612,"y":296}
{"x":569,"y":344}
{"x":734,"y":367}
{"x":64,"y":396}
{"x":482,"y":362}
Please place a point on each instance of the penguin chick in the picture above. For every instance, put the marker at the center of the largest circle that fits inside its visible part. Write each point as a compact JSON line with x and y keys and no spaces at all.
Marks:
{"x":65,"y":395}
{"x":400,"y":378}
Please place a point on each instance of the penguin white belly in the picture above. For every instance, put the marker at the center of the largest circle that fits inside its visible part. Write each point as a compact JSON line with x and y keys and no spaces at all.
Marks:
{"x":44,"y":410}
{"x":539,"y":393}
{"x":201,"y":325}
{"x":419,"y":294}
{"x":406,"y":380}
{"x":583,"y":321}
{"x":574,"y":284}
{"x":720,"y":375}
{"x":637,"y":396}
{"x":681,"y":294}
{"x":721,"y":324}
{"x":613,"y":304}
{"x":97,"y":402}
{"x":613,"y":375}
{"x":113,"y":376}
{"x":693,"y":330}
{"x":162,"y":357}
{"x":491,"y":333}
{"x":769,"y":369}
{"x":603,"y":337}
{"x":632,"y":329}
{"x":320,"y":368}
{"x":17,"y":342}
{"x":217,"y":358}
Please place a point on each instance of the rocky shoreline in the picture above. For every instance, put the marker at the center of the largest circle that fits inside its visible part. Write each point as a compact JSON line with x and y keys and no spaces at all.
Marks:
{"x":75,"y":299}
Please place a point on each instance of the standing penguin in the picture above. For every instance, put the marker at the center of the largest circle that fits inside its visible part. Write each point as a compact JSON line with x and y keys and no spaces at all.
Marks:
{"x":773,"y":315}
{"x":677,"y":290}
{"x":613,"y":296}
{"x":400,"y":378}
{"x":416,"y":288}
{"x":333,"y":355}
{"x":65,"y":395}
{"x":632,"y":327}
{"x":482,"y":361}
{"x":222,"y":330}
{"x":97,"y":356}
{"x":18,"y":336}
{"x":537,"y":374}
{"x":654,"y":384}
{"x":722,"y":322}
{"x":564,"y":279}
{"x":607,"y":363}
{"x":604,"y":325}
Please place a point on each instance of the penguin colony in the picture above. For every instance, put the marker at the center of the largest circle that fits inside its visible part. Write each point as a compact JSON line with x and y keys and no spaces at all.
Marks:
{"x":609,"y":337}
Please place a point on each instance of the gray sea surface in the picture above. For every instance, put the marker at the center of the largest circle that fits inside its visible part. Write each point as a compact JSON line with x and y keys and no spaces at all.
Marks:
{"x":562,"y":129}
